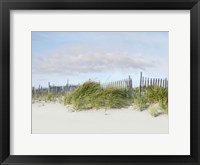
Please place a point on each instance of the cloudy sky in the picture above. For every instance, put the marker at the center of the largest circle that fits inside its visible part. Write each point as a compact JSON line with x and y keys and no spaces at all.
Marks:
{"x":58,"y":57}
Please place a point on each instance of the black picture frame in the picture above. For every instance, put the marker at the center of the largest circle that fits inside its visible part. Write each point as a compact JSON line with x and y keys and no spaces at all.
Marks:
{"x":7,"y":5}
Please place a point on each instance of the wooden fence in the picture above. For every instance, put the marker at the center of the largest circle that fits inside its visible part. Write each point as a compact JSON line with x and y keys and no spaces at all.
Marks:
{"x":54,"y":89}
{"x":147,"y":82}
{"x":39,"y":90}
{"x":126,"y":83}
{"x":66,"y":88}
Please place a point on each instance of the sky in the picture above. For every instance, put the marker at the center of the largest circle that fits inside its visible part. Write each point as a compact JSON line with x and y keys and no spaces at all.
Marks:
{"x":76,"y":57}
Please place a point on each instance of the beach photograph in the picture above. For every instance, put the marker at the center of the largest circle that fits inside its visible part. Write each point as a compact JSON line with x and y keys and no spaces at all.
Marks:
{"x":100,"y":82}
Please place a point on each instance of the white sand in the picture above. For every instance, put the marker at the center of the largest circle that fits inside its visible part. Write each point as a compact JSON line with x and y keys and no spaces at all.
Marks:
{"x":55,"y":118}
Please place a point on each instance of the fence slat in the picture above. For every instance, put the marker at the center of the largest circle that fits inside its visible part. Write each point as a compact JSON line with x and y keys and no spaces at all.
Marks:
{"x":146,"y":82}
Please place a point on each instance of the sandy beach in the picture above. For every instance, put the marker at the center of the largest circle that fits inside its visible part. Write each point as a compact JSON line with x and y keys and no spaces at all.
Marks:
{"x":55,"y":118}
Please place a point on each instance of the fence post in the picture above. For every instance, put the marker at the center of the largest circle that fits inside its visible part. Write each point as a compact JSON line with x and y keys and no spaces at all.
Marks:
{"x":140,"y":89}
{"x":49,"y":87}
{"x":129,"y":82}
{"x":142,"y":81}
{"x":166,"y":83}
{"x":145,"y":82}
{"x":161,"y":83}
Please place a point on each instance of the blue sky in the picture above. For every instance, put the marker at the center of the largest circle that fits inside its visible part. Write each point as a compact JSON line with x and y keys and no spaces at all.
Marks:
{"x":58,"y":57}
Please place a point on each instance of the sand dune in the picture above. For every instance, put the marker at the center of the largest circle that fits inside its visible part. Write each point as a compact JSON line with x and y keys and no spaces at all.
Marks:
{"x":55,"y":118}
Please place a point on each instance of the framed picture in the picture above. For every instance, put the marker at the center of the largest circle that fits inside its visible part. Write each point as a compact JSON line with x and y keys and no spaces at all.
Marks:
{"x":99,"y":82}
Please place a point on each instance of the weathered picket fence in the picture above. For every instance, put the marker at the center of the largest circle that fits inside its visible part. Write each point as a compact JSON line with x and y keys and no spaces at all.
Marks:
{"x":39,"y":90}
{"x":54,"y":89}
{"x":126,"y":83}
{"x":147,"y":82}
{"x":66,"y":88}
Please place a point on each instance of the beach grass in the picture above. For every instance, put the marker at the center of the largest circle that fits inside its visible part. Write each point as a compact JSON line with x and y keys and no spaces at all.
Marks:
{"x":140,"y":103}
{"x":154,"y":110}
{"x":91,"y":95}
{"x":151,"y":96}
{"x":48,"y":97}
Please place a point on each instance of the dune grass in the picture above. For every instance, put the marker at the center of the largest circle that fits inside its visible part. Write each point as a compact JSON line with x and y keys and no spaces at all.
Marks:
{"x":91,"y":95}
{"x":153,"y":97}
{"x":48,"y":97}
{"x":140,"y":103}
{"x":154,"y":110}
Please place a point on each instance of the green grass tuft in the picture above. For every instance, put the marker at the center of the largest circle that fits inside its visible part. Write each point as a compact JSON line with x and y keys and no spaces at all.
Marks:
{"x":154,"y":110}
{"x":150,"y":96}
{"x":140,"y":103}
{"x":92,"y":95}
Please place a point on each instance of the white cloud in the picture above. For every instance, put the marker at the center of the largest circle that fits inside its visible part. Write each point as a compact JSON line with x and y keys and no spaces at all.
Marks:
{"x":81,"y":61}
